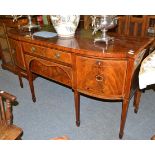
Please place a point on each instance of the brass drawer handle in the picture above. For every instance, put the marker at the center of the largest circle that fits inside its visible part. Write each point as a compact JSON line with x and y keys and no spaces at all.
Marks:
{"x":57,"y":55}
{"x":99,"y":78}
{"x":33,"y":49}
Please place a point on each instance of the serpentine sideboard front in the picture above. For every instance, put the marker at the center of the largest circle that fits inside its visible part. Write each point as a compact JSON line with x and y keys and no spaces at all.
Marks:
{"x":86,"y":67}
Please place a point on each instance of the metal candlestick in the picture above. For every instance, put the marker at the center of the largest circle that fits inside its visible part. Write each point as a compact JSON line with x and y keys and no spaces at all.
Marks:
{"x":29,"y":26}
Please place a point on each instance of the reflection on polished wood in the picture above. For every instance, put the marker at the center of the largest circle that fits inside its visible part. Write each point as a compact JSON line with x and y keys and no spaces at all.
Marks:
{"x":92,"y":69}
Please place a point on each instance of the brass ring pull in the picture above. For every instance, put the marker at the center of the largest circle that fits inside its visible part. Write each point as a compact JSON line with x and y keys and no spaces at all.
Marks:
{"x":99,"y":78}
{"x":57,"y":55}
{"x":33,"y":49}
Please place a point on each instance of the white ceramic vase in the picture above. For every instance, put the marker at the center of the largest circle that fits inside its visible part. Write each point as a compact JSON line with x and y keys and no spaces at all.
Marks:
{"x":65,"y":25}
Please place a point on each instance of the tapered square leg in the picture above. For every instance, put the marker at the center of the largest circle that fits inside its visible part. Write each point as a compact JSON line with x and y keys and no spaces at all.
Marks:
{"x":137,"y":100}
{"x":125,"y":105}
{"x":77,"y":106}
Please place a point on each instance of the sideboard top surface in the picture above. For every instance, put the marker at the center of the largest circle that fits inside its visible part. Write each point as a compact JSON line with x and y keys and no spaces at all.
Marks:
{"x":83,"y":43}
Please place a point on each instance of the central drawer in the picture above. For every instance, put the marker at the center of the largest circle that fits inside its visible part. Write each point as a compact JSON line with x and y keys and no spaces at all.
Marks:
{"x":47,"y":53}
{"x":50,"y":70}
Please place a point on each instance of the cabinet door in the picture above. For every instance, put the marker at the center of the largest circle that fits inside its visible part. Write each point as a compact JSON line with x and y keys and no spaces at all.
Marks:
{"x":5,"y":53}
{"x":17,"y":54}
{"x":7,"y":60}
{"x":101,"y":78}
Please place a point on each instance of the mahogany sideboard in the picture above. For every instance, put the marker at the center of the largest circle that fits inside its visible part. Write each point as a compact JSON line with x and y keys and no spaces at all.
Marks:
{"x":86,"y":67}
